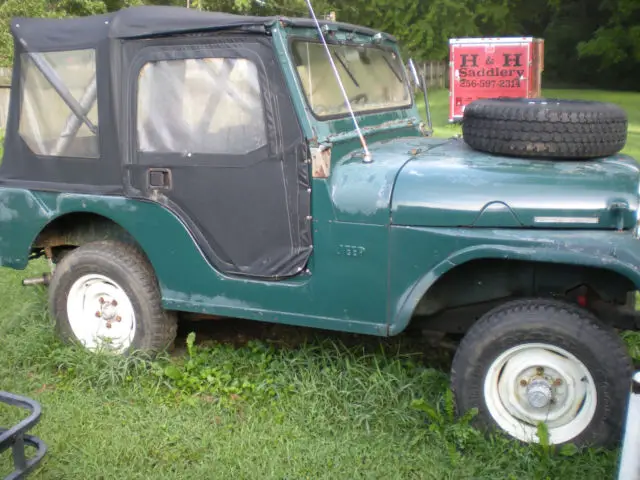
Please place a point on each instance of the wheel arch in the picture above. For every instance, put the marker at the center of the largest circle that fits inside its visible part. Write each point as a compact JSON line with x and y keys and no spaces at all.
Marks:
{"x":406,"y":305}
{"x":74,"y":228}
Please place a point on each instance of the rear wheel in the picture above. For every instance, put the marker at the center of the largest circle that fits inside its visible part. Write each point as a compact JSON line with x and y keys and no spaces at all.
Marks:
{"x":543,"y":361}
{"x":104,"y":295}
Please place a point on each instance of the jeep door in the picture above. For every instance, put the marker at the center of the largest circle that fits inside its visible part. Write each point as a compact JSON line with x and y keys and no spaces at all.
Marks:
{"x":214,"y":138}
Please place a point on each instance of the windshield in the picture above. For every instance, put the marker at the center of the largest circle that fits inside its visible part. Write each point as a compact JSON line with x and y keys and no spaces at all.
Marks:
{"x":372,"y":77}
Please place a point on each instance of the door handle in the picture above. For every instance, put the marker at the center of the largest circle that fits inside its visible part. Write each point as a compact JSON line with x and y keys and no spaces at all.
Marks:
{"x":159,"y":178}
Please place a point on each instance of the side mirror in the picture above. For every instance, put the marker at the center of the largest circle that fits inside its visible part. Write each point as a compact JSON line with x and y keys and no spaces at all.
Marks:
{"x":422,"y":83}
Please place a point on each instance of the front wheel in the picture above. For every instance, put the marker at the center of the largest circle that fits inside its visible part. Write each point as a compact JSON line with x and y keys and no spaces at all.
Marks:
{"x":542,"y":361}
{"x":104,"y":295}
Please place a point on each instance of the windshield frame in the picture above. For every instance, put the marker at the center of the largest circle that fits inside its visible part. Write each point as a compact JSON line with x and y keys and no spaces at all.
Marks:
{"x":336,"y":116}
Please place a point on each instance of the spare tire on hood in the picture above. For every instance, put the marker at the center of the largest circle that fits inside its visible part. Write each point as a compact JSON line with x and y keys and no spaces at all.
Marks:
{"x":545,"y":128}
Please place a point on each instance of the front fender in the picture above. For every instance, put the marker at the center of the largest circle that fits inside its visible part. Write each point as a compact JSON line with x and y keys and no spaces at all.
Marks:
{"x":610,"y":250}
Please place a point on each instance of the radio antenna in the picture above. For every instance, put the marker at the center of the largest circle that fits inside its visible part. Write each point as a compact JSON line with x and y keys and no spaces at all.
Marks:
{"x":367,"y":155}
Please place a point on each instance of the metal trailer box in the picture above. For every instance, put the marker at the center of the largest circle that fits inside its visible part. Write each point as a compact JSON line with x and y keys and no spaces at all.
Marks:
{"x":491,"y":68}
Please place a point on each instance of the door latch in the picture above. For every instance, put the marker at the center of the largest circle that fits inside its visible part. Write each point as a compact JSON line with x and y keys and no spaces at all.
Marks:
{"x":159,"y":178}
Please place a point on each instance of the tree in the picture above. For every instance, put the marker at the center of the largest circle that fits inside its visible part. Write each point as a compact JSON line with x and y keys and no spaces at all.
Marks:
{"x":424,"y":28}
{"x":595,"y":42}
{"x":618,"y":40}
{"x":19,"y":8}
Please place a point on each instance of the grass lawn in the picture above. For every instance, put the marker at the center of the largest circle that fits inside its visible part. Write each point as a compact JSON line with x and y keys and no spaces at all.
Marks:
{"x":261,"y":401}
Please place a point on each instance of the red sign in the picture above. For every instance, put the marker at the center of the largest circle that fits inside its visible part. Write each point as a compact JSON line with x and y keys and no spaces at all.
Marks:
{"x":493,"y":67}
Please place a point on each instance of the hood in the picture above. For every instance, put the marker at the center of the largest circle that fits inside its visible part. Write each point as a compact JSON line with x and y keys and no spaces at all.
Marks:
{"x":449,"y":184}
{"x":361,"y":192}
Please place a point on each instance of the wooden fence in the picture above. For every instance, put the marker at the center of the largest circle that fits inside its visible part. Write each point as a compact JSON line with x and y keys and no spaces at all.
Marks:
{"x":435,"y":73}
{"x":5,"y":90}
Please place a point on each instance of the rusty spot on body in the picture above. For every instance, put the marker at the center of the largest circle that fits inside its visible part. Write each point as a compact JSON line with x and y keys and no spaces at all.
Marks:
{"x":321,"y":162}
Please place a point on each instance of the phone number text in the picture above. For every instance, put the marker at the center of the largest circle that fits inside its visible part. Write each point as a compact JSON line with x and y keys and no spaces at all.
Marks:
{"x":513,"y":83}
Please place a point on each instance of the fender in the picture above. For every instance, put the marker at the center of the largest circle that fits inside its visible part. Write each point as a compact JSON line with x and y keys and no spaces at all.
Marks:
{"x":623,"y":257}
{"x":24,"y":214}
{"x":22,"y":217}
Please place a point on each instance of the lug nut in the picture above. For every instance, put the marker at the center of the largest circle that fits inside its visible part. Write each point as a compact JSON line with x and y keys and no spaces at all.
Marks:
{"x":557,"y":382}
{"x":101,"y":300}
{"x":108,"y":324}
{"x":98,"y":314}
{"x":523,"y":383}
{"x":118,"y":318}
{"x":114,"y":303}
{"x":539,"y":370}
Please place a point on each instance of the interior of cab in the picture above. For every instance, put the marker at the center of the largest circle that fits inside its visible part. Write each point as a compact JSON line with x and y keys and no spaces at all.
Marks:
{"x":48,"y":125}
{"x":200,"y":105}
{"x":373,"y":77}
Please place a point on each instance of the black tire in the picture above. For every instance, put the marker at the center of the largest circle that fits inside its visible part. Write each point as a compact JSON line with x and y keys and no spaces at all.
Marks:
{"x":555,"y":323}
{"x":124,"y":264}
{"x":545,"y":128}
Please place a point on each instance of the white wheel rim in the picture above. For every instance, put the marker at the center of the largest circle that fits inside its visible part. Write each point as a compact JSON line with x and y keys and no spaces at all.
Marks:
{"x":100,"y":313}
{"x":537,"y":382}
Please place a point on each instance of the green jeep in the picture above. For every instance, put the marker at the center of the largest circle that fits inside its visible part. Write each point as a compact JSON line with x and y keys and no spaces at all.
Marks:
{"x":166,"y":161}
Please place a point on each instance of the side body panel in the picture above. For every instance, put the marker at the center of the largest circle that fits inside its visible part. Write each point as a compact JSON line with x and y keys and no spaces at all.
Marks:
{"x":346,"y":290}
{"x":358,"y":282}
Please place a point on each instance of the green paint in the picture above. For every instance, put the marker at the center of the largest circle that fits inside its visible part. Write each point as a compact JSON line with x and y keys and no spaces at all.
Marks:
{"x":414,"y":270}
{"x":383,"y":232}
{"x":451,"y":185}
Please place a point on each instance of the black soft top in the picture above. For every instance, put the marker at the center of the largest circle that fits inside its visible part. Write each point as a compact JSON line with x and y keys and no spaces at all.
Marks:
{"x":268,"y":231}
{"x":139,"y":22}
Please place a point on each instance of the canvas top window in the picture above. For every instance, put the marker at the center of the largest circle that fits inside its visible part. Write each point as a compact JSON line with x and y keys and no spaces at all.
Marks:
{"x":200,"y":105}
{"x":59,"y":108}
{"x":373,"y":78}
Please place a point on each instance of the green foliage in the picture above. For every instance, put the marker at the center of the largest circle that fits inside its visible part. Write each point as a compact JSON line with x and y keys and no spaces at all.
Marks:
{"x":18,"y":8}
{"x":457,"y":433}
{"x":424,"y":28}
{"x":632,"y":340}
{"x":209,"y":373}
{"x":618,"y":40}
{"x":588,"y":42}
{"x":547,"y":452}
{"x":80,"y":8}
